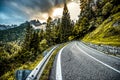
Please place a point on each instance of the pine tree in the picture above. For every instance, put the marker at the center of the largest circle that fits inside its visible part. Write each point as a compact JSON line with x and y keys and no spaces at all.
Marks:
{"x":66,"y":27}
{"x":48,"y":30}
{"x":34,"y":43}
{"x":48,"y":27}
{"x":28,"y":37}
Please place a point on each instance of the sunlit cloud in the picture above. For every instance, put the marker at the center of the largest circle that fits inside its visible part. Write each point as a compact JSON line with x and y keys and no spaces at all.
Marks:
{"x":57,"y":12}
{"x":74,"y":9}
{"x":22,"y":10}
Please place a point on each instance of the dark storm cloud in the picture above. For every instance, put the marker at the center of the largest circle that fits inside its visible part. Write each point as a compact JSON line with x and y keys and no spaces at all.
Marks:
{"x":13,"y":10}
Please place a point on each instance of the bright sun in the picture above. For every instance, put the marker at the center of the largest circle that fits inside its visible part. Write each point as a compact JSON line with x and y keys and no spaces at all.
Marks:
{"x":45,"y":15}
{"x":57,"y":12}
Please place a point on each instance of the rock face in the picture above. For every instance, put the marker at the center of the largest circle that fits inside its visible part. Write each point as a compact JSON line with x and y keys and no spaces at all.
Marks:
{"x":4,"y":27}
{"x":35,"y":22}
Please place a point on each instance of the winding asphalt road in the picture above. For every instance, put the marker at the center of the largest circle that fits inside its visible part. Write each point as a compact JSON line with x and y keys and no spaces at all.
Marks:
{"x":77,"y":61}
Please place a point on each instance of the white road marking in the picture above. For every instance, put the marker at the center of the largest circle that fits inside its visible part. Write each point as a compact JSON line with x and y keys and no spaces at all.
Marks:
{"x":99,"y":51}
{"x":58,"y":66}
{"x":99,"y":60}
{"x":114,"y":57}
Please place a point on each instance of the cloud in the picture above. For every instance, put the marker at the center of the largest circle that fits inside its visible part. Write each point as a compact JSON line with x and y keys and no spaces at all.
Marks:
{"x":22,"y":10}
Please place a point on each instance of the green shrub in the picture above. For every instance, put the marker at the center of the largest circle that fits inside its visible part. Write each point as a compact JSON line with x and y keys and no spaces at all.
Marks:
{"x":107,"y":8}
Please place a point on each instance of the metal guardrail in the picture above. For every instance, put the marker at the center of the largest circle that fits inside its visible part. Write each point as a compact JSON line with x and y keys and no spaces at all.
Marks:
{"x":37,"y":71}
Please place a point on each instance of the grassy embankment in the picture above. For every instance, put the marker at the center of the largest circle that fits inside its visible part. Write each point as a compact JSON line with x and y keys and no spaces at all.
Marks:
{"x":108,"y":33}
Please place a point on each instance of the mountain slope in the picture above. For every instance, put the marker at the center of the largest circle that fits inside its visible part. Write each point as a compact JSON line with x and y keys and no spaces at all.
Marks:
{"x":12,"y":34}
{"x":107,"y":33}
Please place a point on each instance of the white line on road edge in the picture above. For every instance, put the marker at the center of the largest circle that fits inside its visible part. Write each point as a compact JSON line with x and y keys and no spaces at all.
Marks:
{"x":98,"y":51}
{"x":58,"y":66}
{"x":114,"y":57}
{"x":99,"y":60}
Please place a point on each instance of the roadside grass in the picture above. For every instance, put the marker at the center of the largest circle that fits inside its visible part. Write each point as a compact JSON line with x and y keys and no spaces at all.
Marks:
{"x":10,"y":75}
{"x":46,"y":71}
{"x":107,"y":33}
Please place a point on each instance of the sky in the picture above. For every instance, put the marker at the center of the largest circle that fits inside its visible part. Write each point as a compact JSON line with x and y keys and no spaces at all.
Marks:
{"x":19,"y":11}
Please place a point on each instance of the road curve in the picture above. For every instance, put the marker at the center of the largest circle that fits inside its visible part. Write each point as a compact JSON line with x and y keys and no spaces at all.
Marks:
{"x":80,"y":62}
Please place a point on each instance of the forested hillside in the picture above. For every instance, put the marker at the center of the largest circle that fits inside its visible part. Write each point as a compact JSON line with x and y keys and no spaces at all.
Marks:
{"x":14,"y":55}
{"x":107,"y":33}
{"x":12,"y":34}
{"x":101,"y":17}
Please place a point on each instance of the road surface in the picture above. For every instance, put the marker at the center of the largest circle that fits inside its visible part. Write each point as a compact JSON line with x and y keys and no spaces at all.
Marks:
{"x":77,"y":61}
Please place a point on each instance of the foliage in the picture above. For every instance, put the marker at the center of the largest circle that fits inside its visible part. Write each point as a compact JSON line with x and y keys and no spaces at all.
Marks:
{"x":7,"y":51}
{"x":12,"y":34}
{"x":115,"y":9}
{"x":43,"y":44}
{"x":9,"y":75}
{"x":48,"y":30}
{"x":92,"y":14}
{"x":13,"y":56}
{"x":106,"y":9}
{"x":107,"y":33}
{"x":71,"y":38}
{"x":28,"y":37}
{"x":66,"y":25}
